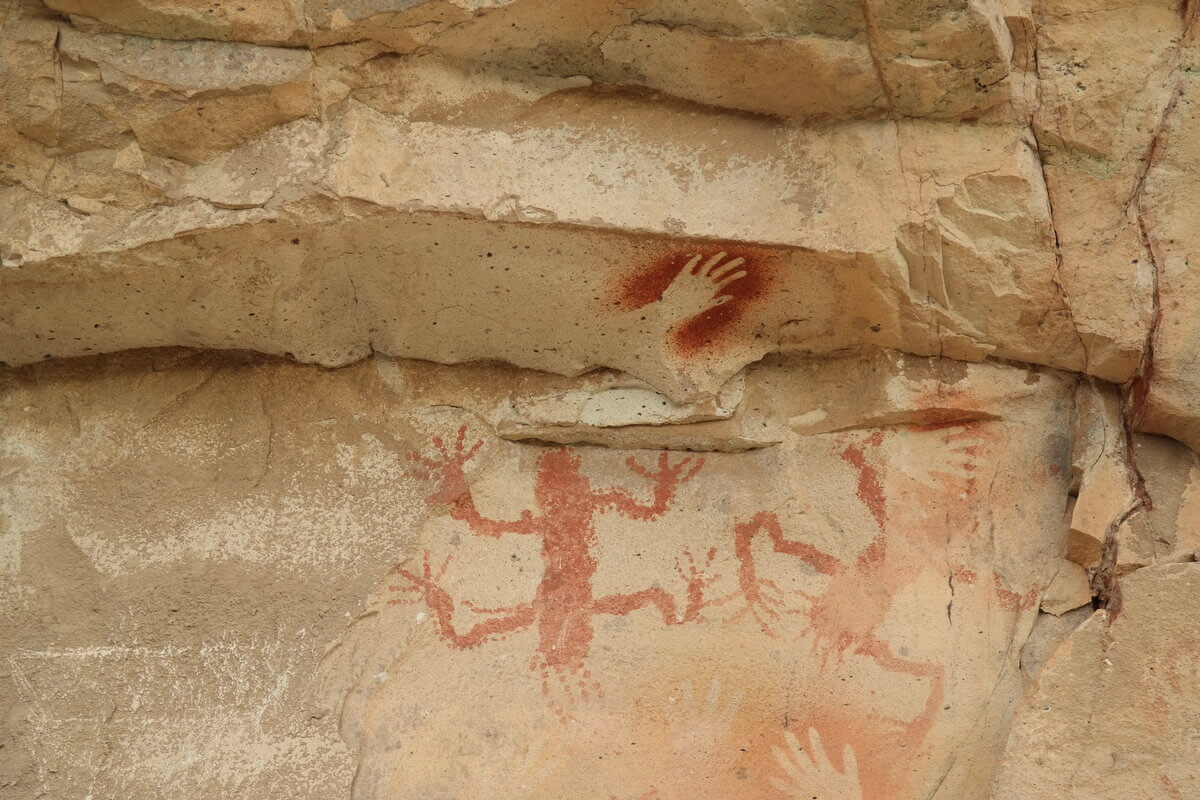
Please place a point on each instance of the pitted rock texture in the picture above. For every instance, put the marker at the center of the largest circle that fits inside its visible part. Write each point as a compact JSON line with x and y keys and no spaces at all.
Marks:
{"x":583,"y":400}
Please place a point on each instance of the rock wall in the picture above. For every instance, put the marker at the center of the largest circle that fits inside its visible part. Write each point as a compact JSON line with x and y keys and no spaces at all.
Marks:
{"x":465,"y":399}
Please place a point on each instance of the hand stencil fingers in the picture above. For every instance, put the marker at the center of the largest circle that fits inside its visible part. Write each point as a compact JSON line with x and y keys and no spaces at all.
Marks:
{"x":715,"y":267}
{"x":816,"y":752}
{"x":718,"y":269}
{"x":725,"y":271}
{"x":849,"y":763}
{"x":706,"y":281}
{"x":708,"y":265}
{"x":791,"y":759}
{"x":729,"y":277}
{"x":806,"y":770}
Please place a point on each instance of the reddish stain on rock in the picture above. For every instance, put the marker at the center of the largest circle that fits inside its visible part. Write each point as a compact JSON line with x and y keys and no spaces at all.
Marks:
{"x":1012,"y":601}
{"x":870,"y":489}
{"x":714,"y":327}
{"x":964,"y":575}
{"x":566,"y":506}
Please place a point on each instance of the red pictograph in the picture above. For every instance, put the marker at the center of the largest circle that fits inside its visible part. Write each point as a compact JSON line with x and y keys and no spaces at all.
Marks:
{"x":711,"y":288}
{"x":846,"y":616}
{"x":843,"y":618}
{"x":564,"y":605}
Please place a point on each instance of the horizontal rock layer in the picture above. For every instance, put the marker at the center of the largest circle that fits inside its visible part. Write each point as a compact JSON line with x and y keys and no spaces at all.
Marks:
{"x":694,"y":399}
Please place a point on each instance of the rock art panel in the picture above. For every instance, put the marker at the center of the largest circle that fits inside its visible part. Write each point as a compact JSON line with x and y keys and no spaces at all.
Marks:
{"x":711,"y":291}
{"x":283,"y":231}
{"x":616,"y":614}
{"x":607,"y":401}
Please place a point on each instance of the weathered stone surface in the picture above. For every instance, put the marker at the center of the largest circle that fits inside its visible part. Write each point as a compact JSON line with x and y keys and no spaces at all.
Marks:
{"x":927,"y":59}
{"x":1048,"y":633}
{"x":1171,"y":208}
{"x":271,"y":22}
{"x":735,"y":399}
{"x":1070,"y":589}
{"x":962,"y":267}
{"x":139,"y":445}
{"x":1106,"y":492}
{"x":1095,"y":124}
{"x":1114,"y":713}
{"x":165,"y":641}
{"x":597,"y":656}
{"x":315,"y":273}
{"x":161,"y":93}
{"x":1169,"y":530}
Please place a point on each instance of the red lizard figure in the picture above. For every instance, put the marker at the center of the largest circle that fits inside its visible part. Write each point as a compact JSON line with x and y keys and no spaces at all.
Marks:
{"x":564,"y":605}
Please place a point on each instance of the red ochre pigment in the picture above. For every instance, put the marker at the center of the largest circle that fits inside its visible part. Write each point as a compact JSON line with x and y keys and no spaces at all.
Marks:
{"x":714,"y":327}
{"x":564,"y":606}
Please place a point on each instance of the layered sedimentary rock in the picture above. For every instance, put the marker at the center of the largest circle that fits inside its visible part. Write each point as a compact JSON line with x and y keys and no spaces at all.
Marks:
{"x":742,"y":399}
{"x":551,"y":605}
{"x":339,"y":196}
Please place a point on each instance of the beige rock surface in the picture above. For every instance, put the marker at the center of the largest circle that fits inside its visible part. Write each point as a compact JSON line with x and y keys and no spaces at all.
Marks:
{"x":938,"y":234}
{"x":945,"y":60}
{"x":1107,"y":492}
{"x":334,"y":256}
{"x":1113,"y":714}
{"x":1168,"y":531}
{"x":580,"y":400}
{"x":1171,"y":210}
{"x":175,"y":475}
{"x":1095,"y":123}
{"x":1070,"y":589}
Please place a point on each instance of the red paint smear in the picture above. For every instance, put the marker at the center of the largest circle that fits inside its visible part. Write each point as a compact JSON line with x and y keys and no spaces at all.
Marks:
{"x":564,"y":606}
{"x":874,"y":553}
{"x":1170,"y":787}
{"x":1010,"y":600}
{"x":964,"y":575}
{"x":769,"y":523}
{"x":713,"y":327}
{"x":870,"y":490}
{"x":929,"y":420}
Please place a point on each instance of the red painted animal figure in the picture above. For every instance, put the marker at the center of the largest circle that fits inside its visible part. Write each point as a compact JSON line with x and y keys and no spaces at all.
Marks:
{"x":845,"y":617}
{"x":564,"y":605}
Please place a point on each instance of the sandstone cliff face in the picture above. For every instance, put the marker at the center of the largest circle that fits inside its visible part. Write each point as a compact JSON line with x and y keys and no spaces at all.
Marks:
{"x":509,"y":398}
